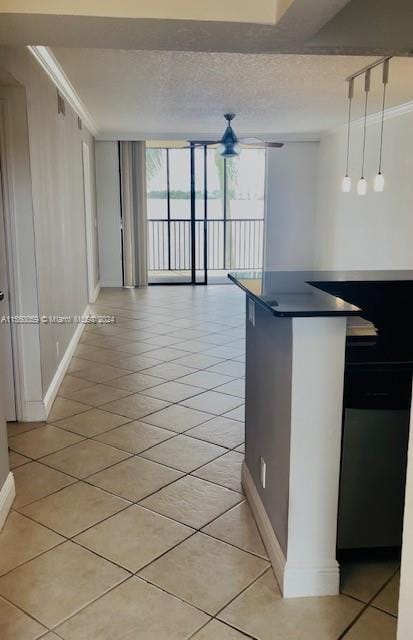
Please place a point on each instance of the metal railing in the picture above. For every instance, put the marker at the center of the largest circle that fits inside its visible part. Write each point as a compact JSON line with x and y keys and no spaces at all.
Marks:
{"x":229,"y":244}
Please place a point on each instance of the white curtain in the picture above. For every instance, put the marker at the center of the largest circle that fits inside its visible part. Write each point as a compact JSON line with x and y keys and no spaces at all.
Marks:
{"x":133,"y":194}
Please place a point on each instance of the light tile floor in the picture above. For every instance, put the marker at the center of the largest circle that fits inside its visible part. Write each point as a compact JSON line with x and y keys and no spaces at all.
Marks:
{"x":130,"y":521}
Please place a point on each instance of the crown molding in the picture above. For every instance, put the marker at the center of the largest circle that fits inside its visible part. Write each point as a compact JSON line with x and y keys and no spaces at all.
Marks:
{"x":51,"y":66}
{"x":375,"y":118}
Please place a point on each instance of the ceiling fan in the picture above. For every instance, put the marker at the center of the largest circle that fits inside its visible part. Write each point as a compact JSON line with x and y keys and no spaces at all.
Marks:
{"x":230,"y":145}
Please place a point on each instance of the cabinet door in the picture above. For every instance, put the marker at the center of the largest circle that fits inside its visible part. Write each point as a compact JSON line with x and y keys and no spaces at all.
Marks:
{"x":373,"y":475}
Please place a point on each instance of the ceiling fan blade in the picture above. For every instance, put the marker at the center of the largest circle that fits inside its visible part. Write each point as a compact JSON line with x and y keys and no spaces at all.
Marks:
{"x":250,"y":140}
{"x":258,"y":142}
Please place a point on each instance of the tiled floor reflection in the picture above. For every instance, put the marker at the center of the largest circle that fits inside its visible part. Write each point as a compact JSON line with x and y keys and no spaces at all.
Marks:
{"x":130,"y":521}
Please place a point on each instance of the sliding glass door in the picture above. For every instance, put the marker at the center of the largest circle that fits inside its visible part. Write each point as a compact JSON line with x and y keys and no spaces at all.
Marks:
{"x":205,"y":214}
{"x":169,"y":216}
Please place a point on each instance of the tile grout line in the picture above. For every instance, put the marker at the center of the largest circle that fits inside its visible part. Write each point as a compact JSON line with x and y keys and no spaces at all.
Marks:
{"x":71,"y":538}
{"x":211,"y":615}
{"x":130,"y":502}
{"x":41,"y":459}
{"x":77,"y":480}
{"x":129,"y":421}
{"x":132,"y":574}
{"x":368,"y":605}
{"x":172,"y":360}
{"x":263,"y":572}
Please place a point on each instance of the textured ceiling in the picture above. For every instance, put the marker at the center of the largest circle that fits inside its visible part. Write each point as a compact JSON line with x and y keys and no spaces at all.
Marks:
{"x":161,"y":94}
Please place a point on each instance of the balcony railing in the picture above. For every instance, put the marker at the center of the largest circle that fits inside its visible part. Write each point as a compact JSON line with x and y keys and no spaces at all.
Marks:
{"x":229,"y":244}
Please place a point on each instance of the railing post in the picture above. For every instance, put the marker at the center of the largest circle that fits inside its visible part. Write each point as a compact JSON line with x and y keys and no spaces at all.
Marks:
{"x":245,"y":236}
{"x":168,"y":201}
{"x":205,"y":215}
{"x":225,"y":213}
{"x":193,"y":237}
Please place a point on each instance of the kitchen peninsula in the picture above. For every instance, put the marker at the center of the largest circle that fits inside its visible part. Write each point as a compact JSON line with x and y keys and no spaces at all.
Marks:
{"x":296,"y":345}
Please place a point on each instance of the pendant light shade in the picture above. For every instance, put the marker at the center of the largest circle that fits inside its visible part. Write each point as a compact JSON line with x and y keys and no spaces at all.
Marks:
{"x":362,"y":184}
{"x":379,"y":179}
{"x":362,"y":187}
{"x":346,"y":182}
{"x":379,"y":182}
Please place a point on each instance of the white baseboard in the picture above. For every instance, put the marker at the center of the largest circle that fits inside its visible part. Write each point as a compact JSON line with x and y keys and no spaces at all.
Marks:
{"x":51,"y":393}
{"x":302,"y":582}
{"x":275,"y":553}
{"x":7,"y":495}
{"x":294,"y":581}
{"x":34,"y":411}
{"x":111,"y":285}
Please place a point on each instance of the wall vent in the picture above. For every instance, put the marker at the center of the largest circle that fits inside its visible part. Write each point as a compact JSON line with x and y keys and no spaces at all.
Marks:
{"x":79,"y":123}
{"x":61,"y":106}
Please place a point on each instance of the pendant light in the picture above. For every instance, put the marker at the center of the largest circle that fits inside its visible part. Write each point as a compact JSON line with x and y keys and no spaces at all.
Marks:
{"x":379,"y":179}
{"x":346,"y":182}
{"x":362,"y":183}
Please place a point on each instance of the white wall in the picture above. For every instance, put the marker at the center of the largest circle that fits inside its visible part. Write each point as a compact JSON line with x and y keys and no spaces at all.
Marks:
{"x":374,"y":231}
{"x":58,"y":205}
{"x":108,"y":205}
{"x":291,"y":182}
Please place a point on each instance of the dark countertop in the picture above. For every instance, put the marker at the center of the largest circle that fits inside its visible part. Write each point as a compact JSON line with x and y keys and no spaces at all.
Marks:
{"x":375,"y":295}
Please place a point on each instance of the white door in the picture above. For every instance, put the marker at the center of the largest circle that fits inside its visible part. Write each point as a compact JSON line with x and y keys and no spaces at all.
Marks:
{"x":6,"y":350}
{"x":89,"y":222}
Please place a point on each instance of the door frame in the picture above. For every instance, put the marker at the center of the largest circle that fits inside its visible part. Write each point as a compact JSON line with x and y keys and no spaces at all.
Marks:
{"x":89,"y":222}
{"x":9,"y":398}
{"x":198,"y":266}
{"x":9,"y":245}
{"x":20,"y":249}
{"x":192,"y":220}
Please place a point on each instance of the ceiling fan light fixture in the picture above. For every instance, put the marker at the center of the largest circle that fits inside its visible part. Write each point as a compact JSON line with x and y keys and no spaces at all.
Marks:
{"x":229,"y":150}
{"x":229,"y":146}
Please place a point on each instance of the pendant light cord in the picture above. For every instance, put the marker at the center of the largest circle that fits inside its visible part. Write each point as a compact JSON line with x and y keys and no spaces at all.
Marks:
{"x":385,"y":80}
{"x":367,"y":87}
{"x":348,"y":134}
{"x":382,"y":127}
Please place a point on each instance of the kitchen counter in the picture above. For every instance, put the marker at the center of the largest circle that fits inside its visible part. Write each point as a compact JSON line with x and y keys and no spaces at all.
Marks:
{"x":319,"y":293}
{"x":297,"y":329}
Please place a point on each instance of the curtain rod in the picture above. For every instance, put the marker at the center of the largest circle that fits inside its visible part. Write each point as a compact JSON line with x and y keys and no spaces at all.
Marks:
{"x":368,"y":68}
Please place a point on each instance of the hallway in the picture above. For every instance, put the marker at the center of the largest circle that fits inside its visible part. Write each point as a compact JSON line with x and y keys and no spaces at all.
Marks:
{"x":130,"y":520}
